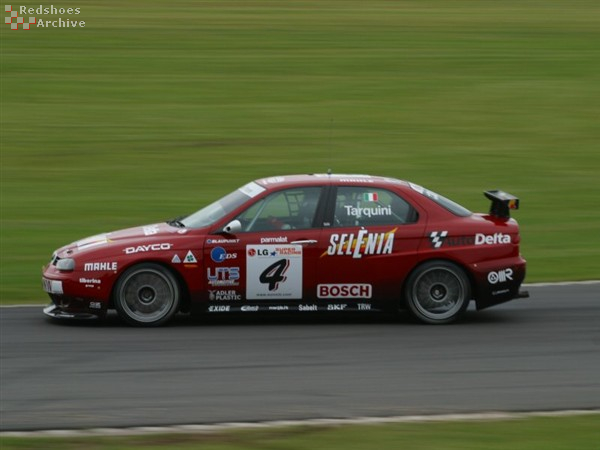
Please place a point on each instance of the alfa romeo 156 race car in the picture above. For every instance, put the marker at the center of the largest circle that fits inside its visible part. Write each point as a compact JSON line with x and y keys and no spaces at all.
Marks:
{"x":299,"y":243}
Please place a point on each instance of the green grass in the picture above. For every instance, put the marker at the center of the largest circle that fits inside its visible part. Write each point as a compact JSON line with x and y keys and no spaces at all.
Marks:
{"x":156,"y":108}
{"x":568,"y":433}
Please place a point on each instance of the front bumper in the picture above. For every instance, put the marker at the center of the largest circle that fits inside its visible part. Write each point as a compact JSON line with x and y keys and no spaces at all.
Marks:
{"x":72,"y":296}
{"x":56,"y":313}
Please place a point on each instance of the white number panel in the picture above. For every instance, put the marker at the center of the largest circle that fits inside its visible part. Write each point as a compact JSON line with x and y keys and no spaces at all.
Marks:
{"x":273,"y":272}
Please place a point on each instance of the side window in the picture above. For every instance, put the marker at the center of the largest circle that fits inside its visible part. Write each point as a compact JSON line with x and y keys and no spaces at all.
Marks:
{"x":363,"y":206}
{"x":291,"y":209}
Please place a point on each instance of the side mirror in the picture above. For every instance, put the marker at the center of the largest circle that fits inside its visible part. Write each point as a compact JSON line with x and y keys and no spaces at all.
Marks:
{"x":233,"y":227}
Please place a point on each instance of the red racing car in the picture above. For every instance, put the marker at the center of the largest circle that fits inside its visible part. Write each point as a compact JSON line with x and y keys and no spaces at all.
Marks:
{"x":299,"y":243}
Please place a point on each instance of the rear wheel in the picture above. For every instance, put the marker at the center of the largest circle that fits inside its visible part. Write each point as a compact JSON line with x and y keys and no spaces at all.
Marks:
{"x":147,"y":295}
{"x":438,"y":292}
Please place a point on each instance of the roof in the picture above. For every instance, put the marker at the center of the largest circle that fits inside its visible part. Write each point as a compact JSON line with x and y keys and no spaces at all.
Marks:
{"x":323,"y":178}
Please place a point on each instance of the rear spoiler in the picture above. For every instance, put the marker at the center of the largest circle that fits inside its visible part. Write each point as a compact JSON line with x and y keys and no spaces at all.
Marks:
{"x":502,"y":203}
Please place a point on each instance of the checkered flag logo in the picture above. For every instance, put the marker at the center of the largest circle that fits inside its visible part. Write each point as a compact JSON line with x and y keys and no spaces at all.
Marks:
{"x":437,"y":238}
{"x":14,"y":20}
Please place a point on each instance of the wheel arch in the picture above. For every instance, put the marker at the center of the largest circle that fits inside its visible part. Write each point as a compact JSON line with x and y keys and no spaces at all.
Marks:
{"x":467,"y":272}
{"x":184,"y":291}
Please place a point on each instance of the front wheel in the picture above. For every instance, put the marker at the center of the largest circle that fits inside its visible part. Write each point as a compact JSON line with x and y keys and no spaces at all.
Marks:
{"x":438,"y":292}
{"x":147,"y":295}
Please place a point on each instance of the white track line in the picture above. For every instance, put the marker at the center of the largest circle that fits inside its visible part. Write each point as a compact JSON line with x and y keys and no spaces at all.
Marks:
{"x":562,"y":283}
{"x":224,"y":427}
{"x":558,"y":283}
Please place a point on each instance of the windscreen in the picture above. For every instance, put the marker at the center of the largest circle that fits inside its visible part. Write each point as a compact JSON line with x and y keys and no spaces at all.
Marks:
{"x":219,"y":209}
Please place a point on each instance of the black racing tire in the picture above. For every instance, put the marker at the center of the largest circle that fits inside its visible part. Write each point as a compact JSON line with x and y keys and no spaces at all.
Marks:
{"x":147,"y":295}
{"x":437,"y":292}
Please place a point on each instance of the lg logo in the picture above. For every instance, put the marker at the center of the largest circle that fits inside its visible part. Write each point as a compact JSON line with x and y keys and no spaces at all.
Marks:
{"x":500,"y":277}
{"x":259,"y":252}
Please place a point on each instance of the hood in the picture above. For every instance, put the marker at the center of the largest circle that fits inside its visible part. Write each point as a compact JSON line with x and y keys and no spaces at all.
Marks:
{"x":153,"y":231}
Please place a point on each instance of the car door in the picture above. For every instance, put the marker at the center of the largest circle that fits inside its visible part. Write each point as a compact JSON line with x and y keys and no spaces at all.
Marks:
{"x":367,"y":251}
{"x":265,"y":266}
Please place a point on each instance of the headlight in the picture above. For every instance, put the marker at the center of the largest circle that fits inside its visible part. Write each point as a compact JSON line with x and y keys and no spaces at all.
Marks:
{"x":65,"y":264}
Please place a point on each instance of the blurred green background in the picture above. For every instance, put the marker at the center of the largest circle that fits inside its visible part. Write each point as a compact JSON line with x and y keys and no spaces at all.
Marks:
{"x":156,"y":108}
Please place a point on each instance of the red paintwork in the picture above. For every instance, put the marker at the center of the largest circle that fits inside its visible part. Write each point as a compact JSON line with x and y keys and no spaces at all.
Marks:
{"x":385,"y":272}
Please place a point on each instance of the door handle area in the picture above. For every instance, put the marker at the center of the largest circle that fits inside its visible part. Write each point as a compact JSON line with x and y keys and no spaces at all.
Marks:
{"x":305,"y":242}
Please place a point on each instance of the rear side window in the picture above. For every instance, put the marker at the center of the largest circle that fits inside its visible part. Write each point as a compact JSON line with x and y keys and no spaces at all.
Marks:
{"x":368,"y":206}
{"x":444,"y":202}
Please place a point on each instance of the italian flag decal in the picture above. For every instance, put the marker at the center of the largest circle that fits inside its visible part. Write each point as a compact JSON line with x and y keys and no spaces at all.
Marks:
{"x":370,"y":197}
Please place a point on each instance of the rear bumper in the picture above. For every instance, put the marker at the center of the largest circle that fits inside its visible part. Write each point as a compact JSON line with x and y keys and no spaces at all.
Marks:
{"x":499,"y":281}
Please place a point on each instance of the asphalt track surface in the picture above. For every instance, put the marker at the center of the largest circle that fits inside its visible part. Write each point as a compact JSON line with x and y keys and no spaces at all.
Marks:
{"x":541,"y":353}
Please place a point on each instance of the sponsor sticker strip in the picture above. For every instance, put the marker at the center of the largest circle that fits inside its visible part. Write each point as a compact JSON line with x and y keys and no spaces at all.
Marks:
{"x":334,"y":307}
{"x":150,"y":230}
{"x":252,"y":189}
{"x":223,"y":276}
{"x":501,"y":276}
{"x":222,"y":241}
{"x":344,"y":291}
{"x":441,"y":238}
{"x":219,"y":255}
{"x":365,"y":243}
{"x":148,"y":248}
{"x":99,"y":266}
{"x":226,"y":295}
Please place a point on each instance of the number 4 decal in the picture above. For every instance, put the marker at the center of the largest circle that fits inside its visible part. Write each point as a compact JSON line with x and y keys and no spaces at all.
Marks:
{"x":274,"y":274}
